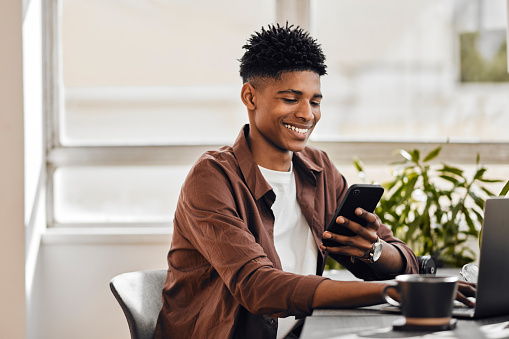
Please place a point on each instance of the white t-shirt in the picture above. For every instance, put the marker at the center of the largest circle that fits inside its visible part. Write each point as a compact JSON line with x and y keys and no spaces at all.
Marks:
{"x":293,"y":239}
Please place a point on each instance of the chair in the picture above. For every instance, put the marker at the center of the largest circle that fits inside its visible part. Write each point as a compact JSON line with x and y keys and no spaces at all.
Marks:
{"x":140,"y":296}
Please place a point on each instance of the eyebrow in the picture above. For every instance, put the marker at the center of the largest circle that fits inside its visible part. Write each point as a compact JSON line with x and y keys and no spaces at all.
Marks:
{"x":294,"y":91}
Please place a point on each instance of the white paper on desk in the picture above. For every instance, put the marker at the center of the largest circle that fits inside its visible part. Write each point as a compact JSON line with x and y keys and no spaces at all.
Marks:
{"x":496,"y":331}
{"x":381,"y":333}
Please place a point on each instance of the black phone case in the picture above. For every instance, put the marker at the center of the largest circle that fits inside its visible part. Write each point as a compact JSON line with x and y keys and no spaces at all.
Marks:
{"x":365,"y":196}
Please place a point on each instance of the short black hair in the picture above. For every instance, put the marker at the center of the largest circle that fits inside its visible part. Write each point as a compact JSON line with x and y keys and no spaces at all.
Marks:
{"x":277,"y":49}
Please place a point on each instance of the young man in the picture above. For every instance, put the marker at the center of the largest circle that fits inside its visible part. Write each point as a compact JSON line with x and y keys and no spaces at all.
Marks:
{"x":247,"y":248}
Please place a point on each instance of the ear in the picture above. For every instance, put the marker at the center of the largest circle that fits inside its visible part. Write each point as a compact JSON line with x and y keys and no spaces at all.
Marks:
{"x":247,"y":94}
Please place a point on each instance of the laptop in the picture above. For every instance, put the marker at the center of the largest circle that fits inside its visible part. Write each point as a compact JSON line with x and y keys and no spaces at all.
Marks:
{"x":492,"y":297}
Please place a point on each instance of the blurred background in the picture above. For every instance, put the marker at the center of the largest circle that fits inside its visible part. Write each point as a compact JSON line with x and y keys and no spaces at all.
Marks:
{"x":138,"y":73}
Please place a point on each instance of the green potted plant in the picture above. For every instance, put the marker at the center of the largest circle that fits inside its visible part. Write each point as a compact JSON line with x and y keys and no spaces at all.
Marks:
{"x":437,"y":209}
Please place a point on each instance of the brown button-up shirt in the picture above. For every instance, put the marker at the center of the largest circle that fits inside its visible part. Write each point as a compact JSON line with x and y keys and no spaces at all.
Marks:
{"x":224,"y":278}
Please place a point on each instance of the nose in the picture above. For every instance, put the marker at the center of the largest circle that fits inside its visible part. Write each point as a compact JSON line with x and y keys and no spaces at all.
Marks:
{"x":305,"y":112}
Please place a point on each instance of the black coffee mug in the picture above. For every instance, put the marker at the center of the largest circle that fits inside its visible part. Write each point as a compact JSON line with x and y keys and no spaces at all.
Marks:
{"x":426,"y":300}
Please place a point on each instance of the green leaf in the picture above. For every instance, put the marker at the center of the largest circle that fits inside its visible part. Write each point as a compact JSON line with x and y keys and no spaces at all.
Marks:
{"x":395,"y":195}
{"x":488,"y":192}
{"x":478,"y":200}
{"x":358,"y":164}
{"x":416,"y":155}
{"x":450,"y":169}
{"x":404,"y":215}
{"x":504,"y":190}
{"x":409,"y":189}
{"x":470,"y":222}
{"x":455,"y":181}
{"x":412,"y":227}
{"x":433,"y":154}
{"x":480,"y":172}
{"x":479,"y":215}
{"x":490,"y":180}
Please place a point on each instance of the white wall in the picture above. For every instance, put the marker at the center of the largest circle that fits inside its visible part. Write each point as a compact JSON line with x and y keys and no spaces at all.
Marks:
{"x":75,"y":296}
{"x":12,"y":233}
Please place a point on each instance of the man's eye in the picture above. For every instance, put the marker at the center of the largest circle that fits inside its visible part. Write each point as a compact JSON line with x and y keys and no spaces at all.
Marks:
{"x":315,"y":103}
{"x":289,"y":100}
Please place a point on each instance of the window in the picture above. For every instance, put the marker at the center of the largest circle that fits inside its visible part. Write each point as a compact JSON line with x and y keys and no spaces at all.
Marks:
{"x":116,"y":194}
{"x":396,"y":65}
{"x":143,"y":72}
{"x":141,"y":81}
{"x":140,"y":88}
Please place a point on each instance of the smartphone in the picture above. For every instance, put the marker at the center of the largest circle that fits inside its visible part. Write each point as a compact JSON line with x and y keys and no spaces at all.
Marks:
{"x":365,"y":196}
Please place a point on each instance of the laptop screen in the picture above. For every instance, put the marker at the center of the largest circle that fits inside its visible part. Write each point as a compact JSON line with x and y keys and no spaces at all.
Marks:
{"x":492,"y":293}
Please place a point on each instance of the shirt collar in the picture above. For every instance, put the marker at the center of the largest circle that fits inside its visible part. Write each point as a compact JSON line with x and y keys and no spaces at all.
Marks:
{"x":306,"y":162}
{"x":252,"y":175}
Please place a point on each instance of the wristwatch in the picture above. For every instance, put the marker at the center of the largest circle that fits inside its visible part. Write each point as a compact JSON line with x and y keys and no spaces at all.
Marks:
{"x":375,"y":252}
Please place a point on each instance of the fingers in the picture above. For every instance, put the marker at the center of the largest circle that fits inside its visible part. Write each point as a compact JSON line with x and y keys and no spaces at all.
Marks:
{"x":373,"y":221}
{"x":346,"y":246}
{"x":358,"y":233}
{"x":462,"y":298}
{"x":355,"y":245}
{"x":356,"y":228}
{"x":467,"y":289}
{"x":372,"y":224}
{"x":362,"y":238}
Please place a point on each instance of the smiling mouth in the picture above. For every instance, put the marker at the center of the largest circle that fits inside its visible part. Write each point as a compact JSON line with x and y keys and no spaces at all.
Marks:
{"x":302,"y":131}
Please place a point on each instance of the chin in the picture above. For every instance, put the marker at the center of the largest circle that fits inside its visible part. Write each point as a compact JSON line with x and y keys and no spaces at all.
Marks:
{"x":298,"y":148}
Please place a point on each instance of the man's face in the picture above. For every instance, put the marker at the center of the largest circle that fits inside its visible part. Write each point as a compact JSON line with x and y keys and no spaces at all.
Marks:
{"x":286,"y":112}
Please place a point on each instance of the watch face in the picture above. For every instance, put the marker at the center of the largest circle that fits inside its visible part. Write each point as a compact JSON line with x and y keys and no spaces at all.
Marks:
{"x":377,"y":252}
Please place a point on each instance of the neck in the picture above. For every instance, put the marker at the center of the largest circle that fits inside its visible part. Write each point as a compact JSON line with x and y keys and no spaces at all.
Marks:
{"x":276,"y":161}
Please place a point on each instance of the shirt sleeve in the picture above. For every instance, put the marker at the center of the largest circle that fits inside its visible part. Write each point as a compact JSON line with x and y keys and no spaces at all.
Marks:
{"x":208,"y":214}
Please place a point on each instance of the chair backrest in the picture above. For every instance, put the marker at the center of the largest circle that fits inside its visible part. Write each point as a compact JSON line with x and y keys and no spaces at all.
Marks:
{"x":140,"y":296}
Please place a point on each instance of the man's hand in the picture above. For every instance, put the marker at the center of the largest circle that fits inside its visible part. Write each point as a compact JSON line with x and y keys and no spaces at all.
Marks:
{"x":358,"y":245}
{"x":466,"y":290}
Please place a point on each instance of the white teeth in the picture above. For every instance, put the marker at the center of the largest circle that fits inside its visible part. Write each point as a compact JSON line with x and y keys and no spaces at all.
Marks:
{"x":298,"y":130}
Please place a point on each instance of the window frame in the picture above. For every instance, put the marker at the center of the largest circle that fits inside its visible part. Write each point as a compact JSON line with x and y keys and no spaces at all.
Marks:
{"x":341,"y":152}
